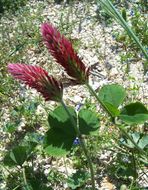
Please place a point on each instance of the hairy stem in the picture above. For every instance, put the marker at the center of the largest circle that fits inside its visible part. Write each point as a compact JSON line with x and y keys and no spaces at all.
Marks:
{"x":25,"y":180}
{"x":82,"y":143}
{"x":134,"y":165}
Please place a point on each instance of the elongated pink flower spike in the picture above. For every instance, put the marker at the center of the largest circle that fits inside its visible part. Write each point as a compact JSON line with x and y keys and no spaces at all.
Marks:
{"x":38,"y":78}
{"x":61,"y":49}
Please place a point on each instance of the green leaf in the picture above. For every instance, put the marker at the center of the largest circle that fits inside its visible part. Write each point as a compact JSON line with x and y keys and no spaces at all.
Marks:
{"x":124,"y":167}
{"x":143,"y":142}
{"x":35,"y":180}
{"x":17,"y":156}
{"x":88,"y":122}
{"x":112,"y":96}
{"x":140,"y":139}
{"x":33,"y":138}
{"x":135,"y":136}
{"x":77,"y":179}
{"x":8,"y":161}
{"x":134,"y":113}
{"x":37,"y":184}
{"x":59,"y":138}
{"x":57,"y":142}
{"x":112,"y":109}
{"x":10,"y":127}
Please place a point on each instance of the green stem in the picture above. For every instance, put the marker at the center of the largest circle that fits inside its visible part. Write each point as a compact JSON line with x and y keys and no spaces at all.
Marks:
{"x":82,"y":143}
{"x":135,"y":175}
{"x":134,"y":165}
{"x":12,"y":175}
{"x":130,"y":138}
{"x":132,"y":183}
{"x":25,"y":180}
{"x":71,"y":118}
{"x":66,"y":170}
{"x":114,"y":13}
{"x":16,"y":187}
{"x":98,"y":99}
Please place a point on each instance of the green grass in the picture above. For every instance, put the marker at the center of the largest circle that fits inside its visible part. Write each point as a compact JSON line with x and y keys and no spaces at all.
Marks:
{"x":113,"y":12}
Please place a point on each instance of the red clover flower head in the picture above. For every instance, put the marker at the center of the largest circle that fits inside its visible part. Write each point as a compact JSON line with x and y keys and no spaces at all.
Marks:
{"x":61,"y":49}
{"x":38,"y":78}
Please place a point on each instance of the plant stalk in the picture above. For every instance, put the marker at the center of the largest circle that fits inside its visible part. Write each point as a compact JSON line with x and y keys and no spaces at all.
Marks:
{"x":82,"y":143}
{"x":25,"y":180}
{"x":130,"y":138}
{"x":114,"y":13}
{"x":120,"y":127}
{"x":134,"y":166}
{"x":66,"y":170}
{"x":98,"y":99}
{"x":16,"y":187}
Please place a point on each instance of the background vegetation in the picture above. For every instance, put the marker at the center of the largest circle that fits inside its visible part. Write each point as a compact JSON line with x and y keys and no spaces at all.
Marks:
{"x":23,"y":113}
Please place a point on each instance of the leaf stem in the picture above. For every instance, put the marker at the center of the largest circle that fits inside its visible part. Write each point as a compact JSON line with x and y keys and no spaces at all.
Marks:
{"x":98,"y":99}
{"x":16,"y":187}
{"x":134,"y":166}
{"x":82,"y":143}
{"x":130,"y":138}
{"x":25,"y":180}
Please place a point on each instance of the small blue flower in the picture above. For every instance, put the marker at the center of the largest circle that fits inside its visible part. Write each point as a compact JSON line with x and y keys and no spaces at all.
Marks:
{"x":78,"y":106}
{"x":113,"y":36}
{"x":125,"y":159}
{"x":141,"y":55}
{"x":132,"y":13}
{"x":40,"y":138}
{"x":76,"y":141}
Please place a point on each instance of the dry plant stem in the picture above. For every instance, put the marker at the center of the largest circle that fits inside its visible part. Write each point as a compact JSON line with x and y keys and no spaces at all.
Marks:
{"x":82,"y":143}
